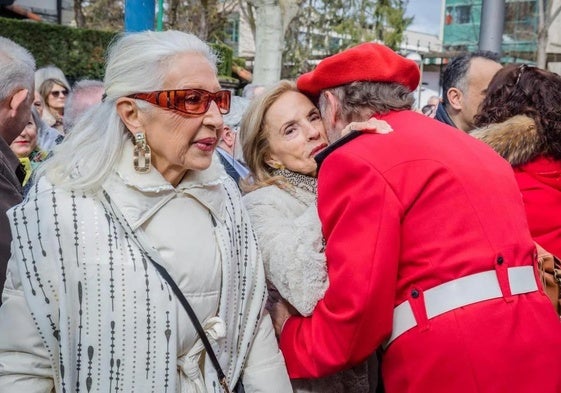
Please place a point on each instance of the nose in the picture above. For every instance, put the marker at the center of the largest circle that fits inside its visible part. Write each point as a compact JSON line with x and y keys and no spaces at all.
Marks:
{"x":213,"y":117}
{"x":312,"y":132}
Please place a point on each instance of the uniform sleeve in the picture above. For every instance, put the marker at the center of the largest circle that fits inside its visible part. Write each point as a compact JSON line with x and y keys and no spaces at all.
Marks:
{"x":361,"y":222}
{"x":292,"y":249}
{"x":24,"y":362}
{"x":265,"y":370}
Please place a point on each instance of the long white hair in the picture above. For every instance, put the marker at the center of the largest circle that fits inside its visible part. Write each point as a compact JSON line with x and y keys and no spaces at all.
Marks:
{"x":137,"y":62}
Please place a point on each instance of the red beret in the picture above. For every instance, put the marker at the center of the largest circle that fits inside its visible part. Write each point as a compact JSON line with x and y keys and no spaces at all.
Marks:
{"x":368,"y":62}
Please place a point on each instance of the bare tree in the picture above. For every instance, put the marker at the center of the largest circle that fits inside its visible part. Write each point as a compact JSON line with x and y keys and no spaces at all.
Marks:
{"x":326,"y":27}
{"x":79,"y":14}
{"x":102,"y":14}
{"x":546,"y":16}
{"x":269,"y":21}
{"x":205,"y":18}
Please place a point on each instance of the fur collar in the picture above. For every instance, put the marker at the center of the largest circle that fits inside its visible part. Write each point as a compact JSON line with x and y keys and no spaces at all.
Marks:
{"x":517,"y":139}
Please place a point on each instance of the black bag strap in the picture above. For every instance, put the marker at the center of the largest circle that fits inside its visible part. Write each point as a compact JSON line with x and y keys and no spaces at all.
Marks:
{"x":185,"y":303}
{"x":182,"y":299}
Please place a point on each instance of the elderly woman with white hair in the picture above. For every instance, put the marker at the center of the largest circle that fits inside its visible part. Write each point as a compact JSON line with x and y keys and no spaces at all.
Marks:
{"x":130,"y":219}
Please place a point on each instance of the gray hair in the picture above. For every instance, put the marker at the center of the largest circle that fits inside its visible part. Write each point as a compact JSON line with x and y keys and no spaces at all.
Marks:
{"x":237,"y":109}
{"x":17,"y":65}
{"x":84,"y":94}
{"x":249,"y":90}
{"x":136,"y":62}
{"x":42,"y":128}
{"x":50,"y":72}
{"x":360,"y":100}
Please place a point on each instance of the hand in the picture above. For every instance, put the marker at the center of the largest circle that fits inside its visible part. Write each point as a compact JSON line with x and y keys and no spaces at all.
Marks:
{"x":280,"y":312}
{"x":373,"y":126}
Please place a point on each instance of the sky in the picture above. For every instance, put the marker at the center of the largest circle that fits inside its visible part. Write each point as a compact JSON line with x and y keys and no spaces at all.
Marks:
{"x":427,"y":15}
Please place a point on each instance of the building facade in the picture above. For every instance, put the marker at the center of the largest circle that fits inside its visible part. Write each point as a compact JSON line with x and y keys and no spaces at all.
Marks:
{"x":461,"y":28}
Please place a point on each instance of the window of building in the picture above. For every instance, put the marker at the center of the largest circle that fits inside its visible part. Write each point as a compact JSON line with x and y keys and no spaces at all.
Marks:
{"x":233,"y":32}
{"x":521,"y":20}
{"x":463,"y":14}
{"x":459,"y":14}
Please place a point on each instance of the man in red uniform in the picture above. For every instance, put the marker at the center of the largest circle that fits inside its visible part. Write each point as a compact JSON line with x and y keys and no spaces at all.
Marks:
{"x":428,"y":249}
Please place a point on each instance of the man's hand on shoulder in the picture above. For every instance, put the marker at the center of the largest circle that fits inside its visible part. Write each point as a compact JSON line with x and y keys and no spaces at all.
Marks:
{"x":372,"y":126}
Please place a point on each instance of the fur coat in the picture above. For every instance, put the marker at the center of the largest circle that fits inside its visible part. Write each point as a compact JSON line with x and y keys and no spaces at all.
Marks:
{"x":519,"y":141}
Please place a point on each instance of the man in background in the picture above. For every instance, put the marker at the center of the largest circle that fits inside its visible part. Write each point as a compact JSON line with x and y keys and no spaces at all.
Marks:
{"x":228,"y":148}
{"x":464,"y":84}
{"x":16,"y":98}
{"x":85,"y":94}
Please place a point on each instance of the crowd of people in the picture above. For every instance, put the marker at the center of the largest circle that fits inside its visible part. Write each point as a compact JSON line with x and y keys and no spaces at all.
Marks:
{"x":319,"y":235}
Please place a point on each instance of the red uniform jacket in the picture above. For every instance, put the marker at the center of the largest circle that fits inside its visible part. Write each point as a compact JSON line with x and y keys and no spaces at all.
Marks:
{"x":407,"y":211}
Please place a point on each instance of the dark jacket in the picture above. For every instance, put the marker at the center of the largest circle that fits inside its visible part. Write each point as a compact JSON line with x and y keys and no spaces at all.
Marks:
{"x":443,"y":117}
{"x":230,"y":170}
{"x":11,"y":176}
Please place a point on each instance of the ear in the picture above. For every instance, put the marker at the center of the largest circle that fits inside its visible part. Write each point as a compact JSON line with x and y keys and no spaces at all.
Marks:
{"x":272,"y":161}
{"x":129,"y":113}
{"x":17,"y":100}
{"x":332,"y":115}
{"x":455,"y":96}
{"x":228,"y":136}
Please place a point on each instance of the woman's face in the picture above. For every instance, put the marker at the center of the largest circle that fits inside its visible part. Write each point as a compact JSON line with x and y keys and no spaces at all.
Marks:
{"x":295,"y":133}
{"x":24,"y":144}
{"x":57,"y":97}
{"x":182,"y":142}
{"x":38,"y":103}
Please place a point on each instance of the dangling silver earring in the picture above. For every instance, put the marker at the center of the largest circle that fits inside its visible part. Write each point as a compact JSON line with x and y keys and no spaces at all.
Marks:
{"x":142,"y":153}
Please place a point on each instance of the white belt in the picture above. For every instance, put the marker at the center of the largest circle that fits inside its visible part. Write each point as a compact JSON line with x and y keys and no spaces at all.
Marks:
{"x":463,"y":292}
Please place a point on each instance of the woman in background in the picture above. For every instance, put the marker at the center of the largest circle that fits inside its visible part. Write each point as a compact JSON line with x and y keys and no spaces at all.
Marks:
{"x":520,"y":118}
{"x":26,"y":147}
{"x":54,"y":93}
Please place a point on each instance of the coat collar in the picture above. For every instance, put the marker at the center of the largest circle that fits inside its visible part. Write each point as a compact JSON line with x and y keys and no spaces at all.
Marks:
{"x":443,"y":116}
{"x":140,"y":195}
{"x":517,"y":139}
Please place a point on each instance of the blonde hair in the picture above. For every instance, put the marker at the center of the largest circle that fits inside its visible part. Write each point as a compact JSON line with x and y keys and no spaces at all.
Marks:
{"x":253,"y":137}
{"x":45,"y":90}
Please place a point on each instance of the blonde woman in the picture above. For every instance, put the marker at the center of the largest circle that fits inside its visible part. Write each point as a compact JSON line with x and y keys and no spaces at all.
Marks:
{"x":281,"y":133}
{"x":54,"y":93}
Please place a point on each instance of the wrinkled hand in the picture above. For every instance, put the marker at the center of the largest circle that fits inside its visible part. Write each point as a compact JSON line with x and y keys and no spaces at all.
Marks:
{"x":280,"y":312}
{"x":373,"y":126}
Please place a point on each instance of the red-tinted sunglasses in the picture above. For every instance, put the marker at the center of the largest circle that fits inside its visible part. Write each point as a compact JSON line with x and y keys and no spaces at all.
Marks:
{"x":189,"y":101}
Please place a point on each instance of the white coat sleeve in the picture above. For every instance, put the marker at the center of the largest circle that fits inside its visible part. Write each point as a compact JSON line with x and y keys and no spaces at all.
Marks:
{"x":24,"y":361}
{"x":265,"y":371}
